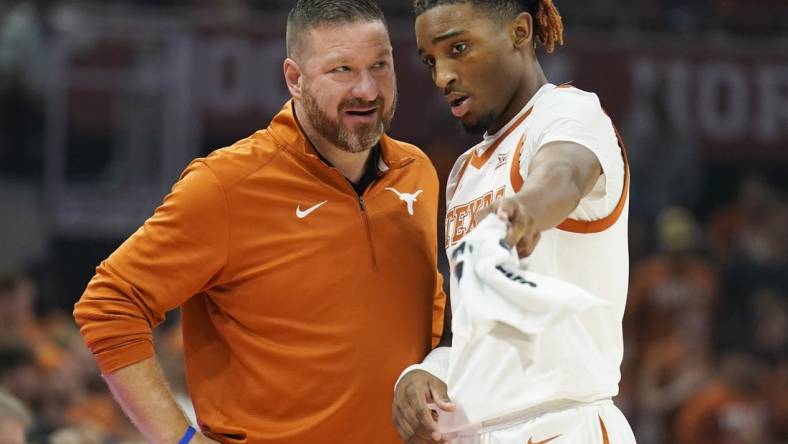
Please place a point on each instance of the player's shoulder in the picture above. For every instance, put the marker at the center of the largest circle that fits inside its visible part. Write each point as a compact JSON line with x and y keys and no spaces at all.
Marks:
{"x":567,"y":103}
{"x":243,"y":158}
{"x":567,"y":95}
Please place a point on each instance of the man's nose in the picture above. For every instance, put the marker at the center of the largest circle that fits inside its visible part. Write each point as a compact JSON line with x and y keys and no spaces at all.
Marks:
{"x":366,"y":88}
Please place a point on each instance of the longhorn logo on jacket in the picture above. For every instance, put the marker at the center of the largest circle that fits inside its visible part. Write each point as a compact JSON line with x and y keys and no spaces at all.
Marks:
{"x":409,"y":199}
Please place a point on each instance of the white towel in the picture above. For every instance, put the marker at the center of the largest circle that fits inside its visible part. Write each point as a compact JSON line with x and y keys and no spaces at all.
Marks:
{"x":499,"y":299}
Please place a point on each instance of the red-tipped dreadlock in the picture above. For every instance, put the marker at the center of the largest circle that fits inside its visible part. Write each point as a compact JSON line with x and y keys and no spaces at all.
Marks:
{"x":548,"y":26}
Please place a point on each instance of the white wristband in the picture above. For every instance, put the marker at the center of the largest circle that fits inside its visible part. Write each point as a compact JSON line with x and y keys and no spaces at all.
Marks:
{"x":435,"y":363}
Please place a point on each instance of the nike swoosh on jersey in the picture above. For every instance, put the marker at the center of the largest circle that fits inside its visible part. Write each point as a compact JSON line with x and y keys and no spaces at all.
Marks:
{"x":302,"y":214}
{"x":531,"y":440}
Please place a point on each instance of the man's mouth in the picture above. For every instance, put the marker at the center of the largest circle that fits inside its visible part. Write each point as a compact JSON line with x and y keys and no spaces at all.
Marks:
{"x":362,"y":111}
{"x":460,"y":105}
{"x":365,"y":115}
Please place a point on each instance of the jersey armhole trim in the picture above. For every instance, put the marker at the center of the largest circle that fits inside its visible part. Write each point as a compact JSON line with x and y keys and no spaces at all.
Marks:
{"x":515,"y":177}
{"x":599,"y":225}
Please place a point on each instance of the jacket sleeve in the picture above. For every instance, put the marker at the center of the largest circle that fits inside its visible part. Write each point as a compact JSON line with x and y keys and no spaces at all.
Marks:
{"x":438,"y":307}
{"x":179,"y":252}
{"x":439,"y":296}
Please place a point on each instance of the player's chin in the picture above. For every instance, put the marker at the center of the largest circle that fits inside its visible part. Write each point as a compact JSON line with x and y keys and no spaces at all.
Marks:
{"x":472,"y":125}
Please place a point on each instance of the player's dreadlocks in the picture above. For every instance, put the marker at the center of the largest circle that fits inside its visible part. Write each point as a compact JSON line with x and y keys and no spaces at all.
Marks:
{"x":548,"y":27}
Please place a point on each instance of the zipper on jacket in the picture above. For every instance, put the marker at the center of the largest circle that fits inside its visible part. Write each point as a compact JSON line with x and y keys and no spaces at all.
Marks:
{"x":362,"y":203}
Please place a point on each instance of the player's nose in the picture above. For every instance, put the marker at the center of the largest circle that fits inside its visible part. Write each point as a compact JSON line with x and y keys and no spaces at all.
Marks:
{"x":444,"y":75}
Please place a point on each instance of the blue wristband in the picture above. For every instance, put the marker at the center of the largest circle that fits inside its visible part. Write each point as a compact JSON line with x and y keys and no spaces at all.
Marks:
{"x":190,"y":432}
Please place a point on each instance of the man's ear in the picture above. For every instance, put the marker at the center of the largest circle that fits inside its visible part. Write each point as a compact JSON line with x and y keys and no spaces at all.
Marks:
{"x":522,"y":30}
{"x":293,"y":77}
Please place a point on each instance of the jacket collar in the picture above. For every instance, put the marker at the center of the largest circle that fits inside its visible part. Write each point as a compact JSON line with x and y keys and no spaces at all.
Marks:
{"x":288,"y":133}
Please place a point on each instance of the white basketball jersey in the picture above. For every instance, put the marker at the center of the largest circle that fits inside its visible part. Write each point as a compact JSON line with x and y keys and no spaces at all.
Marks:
{"x":578,"y":359}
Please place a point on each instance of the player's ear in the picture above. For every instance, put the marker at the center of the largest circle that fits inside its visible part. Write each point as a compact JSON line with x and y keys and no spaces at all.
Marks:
{"x":293,"y":77}
{"x":522,"y":30}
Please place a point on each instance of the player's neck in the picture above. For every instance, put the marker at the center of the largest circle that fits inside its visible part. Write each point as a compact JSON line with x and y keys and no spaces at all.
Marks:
{"x":532,"y":80}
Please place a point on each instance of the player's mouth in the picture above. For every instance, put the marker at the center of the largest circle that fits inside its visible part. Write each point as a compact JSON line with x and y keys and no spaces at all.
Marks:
{"x":460,"y":104}
{"x":362,"y":115}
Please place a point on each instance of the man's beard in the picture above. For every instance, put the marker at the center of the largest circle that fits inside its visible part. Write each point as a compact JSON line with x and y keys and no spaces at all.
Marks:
{"x":359,"y":139}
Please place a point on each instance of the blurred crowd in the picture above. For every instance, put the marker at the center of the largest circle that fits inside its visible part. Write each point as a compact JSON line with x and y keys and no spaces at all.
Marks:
{"x":706,"y":334}
{"x":706,"y":327}
{"x":28,"y":27}
{"x":50,"y":387}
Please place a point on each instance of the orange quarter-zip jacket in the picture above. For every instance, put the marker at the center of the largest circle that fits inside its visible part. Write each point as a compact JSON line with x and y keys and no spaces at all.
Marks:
{"x":302,"y":301}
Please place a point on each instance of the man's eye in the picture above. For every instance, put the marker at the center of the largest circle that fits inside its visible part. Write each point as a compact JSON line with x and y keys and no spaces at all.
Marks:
{"x":341,"y":69}
{"x":380,"y":65}
{"x":429,"y":61}
{"x":459,"y":48}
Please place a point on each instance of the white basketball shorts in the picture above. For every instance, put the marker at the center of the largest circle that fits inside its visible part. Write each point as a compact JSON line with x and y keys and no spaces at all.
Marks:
{"x":599,"y":422}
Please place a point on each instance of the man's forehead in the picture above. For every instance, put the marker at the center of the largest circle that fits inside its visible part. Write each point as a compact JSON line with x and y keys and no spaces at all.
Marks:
{"x":349,"y":39}
{"x":358,"y":33}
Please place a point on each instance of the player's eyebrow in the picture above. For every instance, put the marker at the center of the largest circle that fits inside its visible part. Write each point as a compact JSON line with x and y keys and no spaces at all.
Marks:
{"x":446,"y":35}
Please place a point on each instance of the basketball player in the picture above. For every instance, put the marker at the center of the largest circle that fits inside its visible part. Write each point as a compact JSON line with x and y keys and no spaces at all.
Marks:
{"x":551,"y":165}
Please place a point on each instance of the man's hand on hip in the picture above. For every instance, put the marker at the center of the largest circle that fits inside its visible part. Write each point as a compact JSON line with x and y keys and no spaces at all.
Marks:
{"x":416,"y":423}
{"x":199,"y":438}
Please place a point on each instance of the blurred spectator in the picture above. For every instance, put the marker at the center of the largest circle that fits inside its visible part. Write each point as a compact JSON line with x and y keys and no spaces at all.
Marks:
{"x":740,"y":227}
{"x":23,"y":36}
{"x":16,"y":298}
{"x":750,"y":237}
{"x":771,"y":326}
{"x":668,"y":325}
{"x":14,"y":419}
{"x":771,"y":346}
{"x":664,"y":159}
{"x":20,"y":376}
{"x":675,"y":287}
{"x":75,"y":436}
{"x":24,"y":33}
{"x":18,"y":320}
{"x":672,"y":371}
{"x":96,"y":413}
{"x":43,"y":362}
{"x":18,"y":372}
{"x":777,"y":398}
{"x":732,"y":408}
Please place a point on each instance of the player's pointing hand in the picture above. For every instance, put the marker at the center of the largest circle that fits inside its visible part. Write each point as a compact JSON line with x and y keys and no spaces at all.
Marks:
{"x":523,"y":231}
{"x":415,"y":421}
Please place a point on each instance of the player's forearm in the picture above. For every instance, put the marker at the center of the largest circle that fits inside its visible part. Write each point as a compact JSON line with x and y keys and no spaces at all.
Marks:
{"x":559,"y":176}
{"x":143,"y":394}
{"x":550,"y":194}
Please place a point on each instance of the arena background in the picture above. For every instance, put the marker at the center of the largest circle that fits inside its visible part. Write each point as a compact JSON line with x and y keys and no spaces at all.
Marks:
{"x":102,"y":104}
